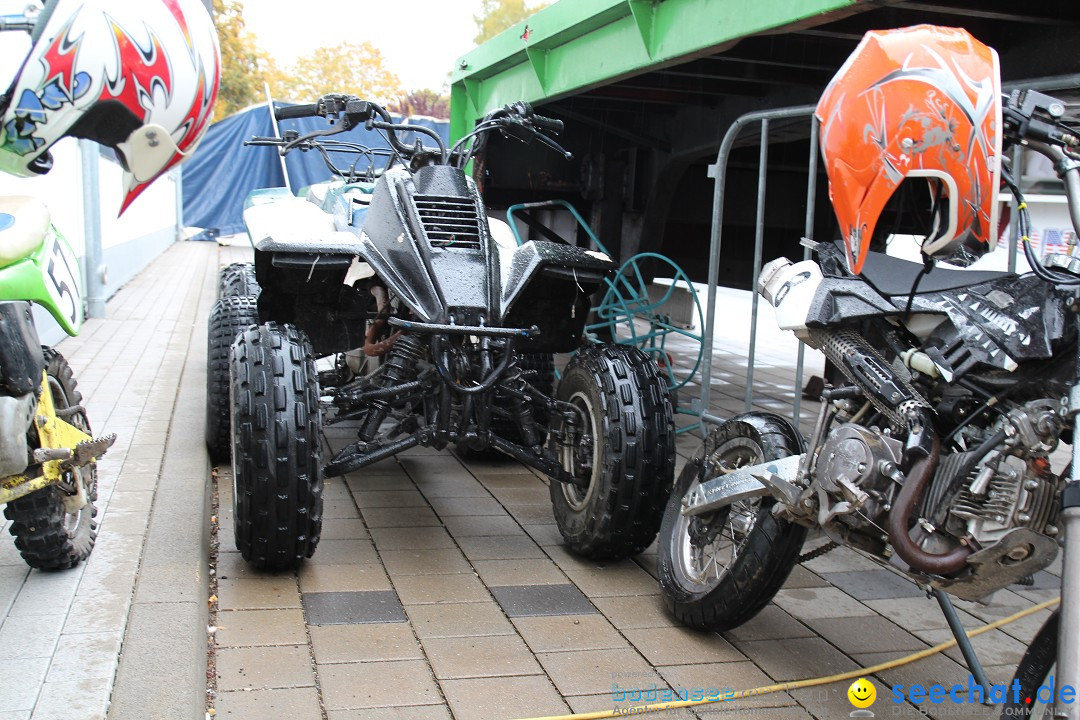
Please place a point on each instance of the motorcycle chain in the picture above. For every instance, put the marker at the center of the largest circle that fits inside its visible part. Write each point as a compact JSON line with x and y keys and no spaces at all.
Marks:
{"x":816,"y":553}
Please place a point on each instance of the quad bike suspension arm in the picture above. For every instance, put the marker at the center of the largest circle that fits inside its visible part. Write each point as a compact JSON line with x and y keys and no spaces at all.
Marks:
{"x":353,"y":457}
{"x":544,"y":461}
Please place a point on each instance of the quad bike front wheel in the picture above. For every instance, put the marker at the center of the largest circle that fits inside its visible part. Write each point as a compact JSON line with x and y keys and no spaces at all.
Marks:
{"x":719,"y":569}
{"x":622,"y":453}
{"x":277,"y":479}
{"x":229,"y":316}
{"x":49,"y":534}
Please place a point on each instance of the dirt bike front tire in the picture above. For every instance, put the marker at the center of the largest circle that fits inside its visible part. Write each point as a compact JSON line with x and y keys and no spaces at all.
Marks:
{"x":1034,"y":672}
{"x":719,"y":570}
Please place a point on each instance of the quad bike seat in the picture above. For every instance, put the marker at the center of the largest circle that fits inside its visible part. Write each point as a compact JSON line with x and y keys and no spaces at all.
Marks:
{"x":892,"y":276}
{"x":290,"y":224}
{"x":24,"y":221}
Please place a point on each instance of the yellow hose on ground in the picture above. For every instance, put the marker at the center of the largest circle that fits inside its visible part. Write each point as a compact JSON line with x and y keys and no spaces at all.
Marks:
{"x":812,"y":682}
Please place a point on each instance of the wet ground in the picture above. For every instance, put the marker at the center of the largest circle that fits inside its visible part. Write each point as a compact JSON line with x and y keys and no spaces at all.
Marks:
{"x":440,"y":588}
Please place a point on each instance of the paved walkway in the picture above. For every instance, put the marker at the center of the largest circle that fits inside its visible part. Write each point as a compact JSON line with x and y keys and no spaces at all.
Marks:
{"x":440,"y":588}
{"x":129,"y":623}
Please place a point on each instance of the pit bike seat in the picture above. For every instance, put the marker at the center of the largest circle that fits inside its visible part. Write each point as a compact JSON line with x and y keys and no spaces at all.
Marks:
{"x":892,"y":276}
{"x":24,"y":221}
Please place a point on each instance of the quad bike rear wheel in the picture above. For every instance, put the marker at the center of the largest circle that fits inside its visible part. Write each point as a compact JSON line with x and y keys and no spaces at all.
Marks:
{"x":48,"y":535}
{"x":719,"y":569}
{"x":277,"y":478}
{"x":230,"y":316}
{"x":238,"y":279}
{"x":623,"y":457}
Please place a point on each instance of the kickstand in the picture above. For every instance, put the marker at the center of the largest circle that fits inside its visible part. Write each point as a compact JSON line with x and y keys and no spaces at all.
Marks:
{"x":964,"y":642}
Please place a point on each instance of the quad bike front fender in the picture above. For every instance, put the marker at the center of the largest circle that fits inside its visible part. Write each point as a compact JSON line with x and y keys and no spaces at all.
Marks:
{"x":549,"y":285}
{"x":584,"y":268}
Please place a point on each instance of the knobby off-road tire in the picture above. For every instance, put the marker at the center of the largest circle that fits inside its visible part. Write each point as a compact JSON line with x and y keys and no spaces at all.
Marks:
{"x":1033,"y":672}
{"x":238,"y":279}
{"x":631,"y":463}
{"x":47,"y":536}
{"x":739,"y":556}
{"x":277,"y":478}
{"x":230,"y":316}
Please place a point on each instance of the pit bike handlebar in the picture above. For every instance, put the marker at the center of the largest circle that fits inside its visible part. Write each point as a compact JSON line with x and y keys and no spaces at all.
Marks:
{"x":1037,"y":121}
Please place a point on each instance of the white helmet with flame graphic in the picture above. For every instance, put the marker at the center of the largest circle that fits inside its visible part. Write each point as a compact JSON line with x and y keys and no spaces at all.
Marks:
{"x":139,"y":77}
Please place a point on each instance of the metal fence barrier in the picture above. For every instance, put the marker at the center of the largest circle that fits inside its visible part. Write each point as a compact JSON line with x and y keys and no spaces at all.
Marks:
{"x":718,"y":171}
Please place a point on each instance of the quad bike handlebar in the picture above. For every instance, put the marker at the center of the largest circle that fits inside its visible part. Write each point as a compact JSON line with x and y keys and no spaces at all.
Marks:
{"x":517,"y":120}
{"x":346,"y":112}
{"x":292,"y":112}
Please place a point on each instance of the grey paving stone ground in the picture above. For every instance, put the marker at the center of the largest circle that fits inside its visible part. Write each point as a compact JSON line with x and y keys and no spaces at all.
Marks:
{"x":439,"y":535}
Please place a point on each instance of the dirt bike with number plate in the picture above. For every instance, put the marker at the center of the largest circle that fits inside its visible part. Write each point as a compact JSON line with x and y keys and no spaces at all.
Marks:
{"x":935,"y":456}
{"x":438,"y":330}
{"x":86,"y":76}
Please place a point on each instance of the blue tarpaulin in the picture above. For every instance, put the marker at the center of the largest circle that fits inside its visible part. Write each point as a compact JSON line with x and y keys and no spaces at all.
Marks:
{"x":223,"y":170}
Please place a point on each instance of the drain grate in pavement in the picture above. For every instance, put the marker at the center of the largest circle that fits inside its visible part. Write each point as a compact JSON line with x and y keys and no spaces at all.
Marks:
{"x":537,"y":600}
{"x":352,"y":608}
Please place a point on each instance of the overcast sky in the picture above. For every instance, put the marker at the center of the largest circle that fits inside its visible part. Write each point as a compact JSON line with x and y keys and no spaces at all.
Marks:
{"x":420,"y":39}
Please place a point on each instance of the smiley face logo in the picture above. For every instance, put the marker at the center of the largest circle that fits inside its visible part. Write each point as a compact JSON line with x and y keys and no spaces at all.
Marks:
{"x":862,"y":693}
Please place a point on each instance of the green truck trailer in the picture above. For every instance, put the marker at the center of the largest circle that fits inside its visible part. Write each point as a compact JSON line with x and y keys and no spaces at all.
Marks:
{"x":648,"y":88}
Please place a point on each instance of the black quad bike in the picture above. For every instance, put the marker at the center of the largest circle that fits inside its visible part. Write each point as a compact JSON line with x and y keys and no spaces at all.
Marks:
{"x":390,"y":301}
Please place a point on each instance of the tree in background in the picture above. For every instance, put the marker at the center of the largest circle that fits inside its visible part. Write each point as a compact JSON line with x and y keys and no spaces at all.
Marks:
{"x":357,"y":69}
{"x":244,"y":66}
{"x":422,"y":102}
{"x":498,"y":15}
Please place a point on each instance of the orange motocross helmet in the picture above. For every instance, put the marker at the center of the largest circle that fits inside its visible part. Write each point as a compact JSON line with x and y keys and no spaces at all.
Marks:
{"x":919,"y":102}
